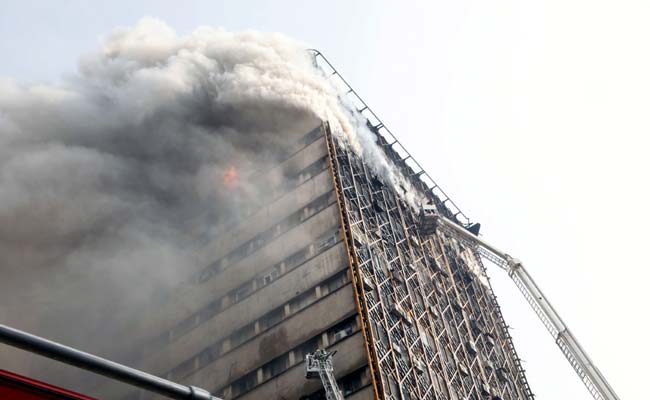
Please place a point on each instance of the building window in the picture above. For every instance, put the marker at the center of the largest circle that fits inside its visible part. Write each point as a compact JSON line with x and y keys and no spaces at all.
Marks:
{"x":243,"y":334}
{"x":211,"y":310}
{"x":207,"y":356}
{"x":308,"y":347}
{"x":303,"y":300}
{"x":243,"y":291}
{"x":340,"y":333}
{"x":276,"y":366}
{"x":183,"y":370}
{"x":271,"y":318}
{"x":244,"y":384}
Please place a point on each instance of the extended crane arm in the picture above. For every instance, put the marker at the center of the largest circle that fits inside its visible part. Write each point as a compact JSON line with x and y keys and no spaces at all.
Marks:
{"x":319,"y":364}
{"x":568,"y":344}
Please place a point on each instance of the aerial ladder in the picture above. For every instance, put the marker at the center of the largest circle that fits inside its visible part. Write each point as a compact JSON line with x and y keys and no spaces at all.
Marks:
{"x":431,"y":221}
{"x":319,"y":365}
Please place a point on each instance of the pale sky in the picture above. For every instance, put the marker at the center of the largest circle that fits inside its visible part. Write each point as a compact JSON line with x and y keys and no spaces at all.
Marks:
{"x":533,"y":116}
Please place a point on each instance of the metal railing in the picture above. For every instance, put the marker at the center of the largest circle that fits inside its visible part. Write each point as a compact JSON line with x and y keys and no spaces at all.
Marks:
{"x":380,"y":128}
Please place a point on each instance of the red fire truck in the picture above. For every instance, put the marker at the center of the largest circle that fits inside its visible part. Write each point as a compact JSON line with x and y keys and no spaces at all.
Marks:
{"x":18,"y":387}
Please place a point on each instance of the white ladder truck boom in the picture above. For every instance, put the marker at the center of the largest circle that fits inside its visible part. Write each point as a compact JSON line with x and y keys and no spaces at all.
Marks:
{"x":595,"y":382}
{"x":319,"y":365}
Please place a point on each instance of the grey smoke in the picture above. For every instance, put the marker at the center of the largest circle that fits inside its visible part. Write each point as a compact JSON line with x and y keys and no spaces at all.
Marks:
{"x":108,"y":178}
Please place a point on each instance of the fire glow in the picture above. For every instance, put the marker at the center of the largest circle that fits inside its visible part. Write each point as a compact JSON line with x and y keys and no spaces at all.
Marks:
{"x":230,"y":176}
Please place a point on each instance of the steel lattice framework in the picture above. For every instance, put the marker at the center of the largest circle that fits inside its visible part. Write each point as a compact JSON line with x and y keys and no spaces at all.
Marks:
{"x":433,"y":328}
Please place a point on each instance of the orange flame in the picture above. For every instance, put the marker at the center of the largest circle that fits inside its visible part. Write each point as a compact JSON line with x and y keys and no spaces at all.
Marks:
{"x":230,"y":176}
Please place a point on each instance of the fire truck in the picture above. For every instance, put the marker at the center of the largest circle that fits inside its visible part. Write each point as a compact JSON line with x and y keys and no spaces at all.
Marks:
{"x":18,"y":387}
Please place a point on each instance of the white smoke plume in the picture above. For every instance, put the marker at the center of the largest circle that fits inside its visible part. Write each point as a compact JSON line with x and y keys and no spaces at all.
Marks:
{"x":106,"y":178}
{"x":364,"y":143}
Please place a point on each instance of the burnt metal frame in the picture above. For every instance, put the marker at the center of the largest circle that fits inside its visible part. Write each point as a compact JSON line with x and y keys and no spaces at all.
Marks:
{"x":357,"y":283}
{"x":381,"y":231}
{"x":441,"y":281}
{"x":389,"y":140}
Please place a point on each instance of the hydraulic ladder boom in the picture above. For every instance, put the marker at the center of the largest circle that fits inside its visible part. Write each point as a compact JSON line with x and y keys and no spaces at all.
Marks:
{"x":568,"y":344}
{"x":319,"y":365}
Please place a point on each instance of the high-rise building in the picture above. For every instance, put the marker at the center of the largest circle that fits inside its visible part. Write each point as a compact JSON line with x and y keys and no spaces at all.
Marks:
{"x":334,"y":259}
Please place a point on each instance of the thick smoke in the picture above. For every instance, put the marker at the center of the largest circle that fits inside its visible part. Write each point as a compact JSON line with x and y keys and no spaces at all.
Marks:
{"x":107,"y":179}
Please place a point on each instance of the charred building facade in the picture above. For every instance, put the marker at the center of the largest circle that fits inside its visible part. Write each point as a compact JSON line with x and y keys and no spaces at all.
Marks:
{"x":431,"y":322}
{"x":334,"y":260}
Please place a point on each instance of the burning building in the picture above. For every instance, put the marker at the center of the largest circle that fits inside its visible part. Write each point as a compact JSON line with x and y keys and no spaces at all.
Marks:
{"x":291,"y":234}
{"x":337,"y":262}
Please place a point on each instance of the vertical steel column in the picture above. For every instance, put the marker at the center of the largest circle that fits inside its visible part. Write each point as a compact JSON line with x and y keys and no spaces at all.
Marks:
{"x":357,"y":281}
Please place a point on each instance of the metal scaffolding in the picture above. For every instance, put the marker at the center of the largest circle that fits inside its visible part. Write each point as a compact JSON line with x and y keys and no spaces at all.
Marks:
{"x":432,"y":323}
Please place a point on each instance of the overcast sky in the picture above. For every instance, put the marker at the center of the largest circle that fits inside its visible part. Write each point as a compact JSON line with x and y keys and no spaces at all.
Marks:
{"x":533,"y":116}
